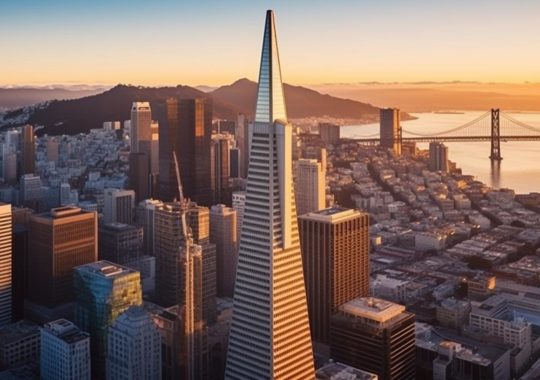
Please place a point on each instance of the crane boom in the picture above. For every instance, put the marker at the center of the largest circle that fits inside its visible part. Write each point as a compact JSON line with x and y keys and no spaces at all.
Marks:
{"x":183,"y":205}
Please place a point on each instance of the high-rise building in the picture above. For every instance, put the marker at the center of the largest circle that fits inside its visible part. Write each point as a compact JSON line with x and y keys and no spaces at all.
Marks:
{"x":120,"y":243}
{"x":241,"y":135}
{"x":270,"y":337}
{"x":235,"y":158}
{"x":223,"y":233}
{"x":390,"y":132}
{"x":138,"y":175}
{"x":145,"y":134}
{"x":329,"y":133}
{"x":169,"y":322}
{"x":310,"y":187}
{"x":65,"y":352}
{"x":118,"y":206}
{"x":438,"y":157}
{"x":144,"y":156}
{"x":168,"y":237}
{"x":103,"y":291}
{"x":239,"y":204}
{"x":19,"y":344}
{"x":59,"y":240}
{"x":335,"y":251}
{"x":198,"y":218}
{"x":31,"y":192}
{"x":376,"y":336}
{"x":221,"y":167}
{"x":188,"y":133}
{"x":28,"y":159}
{"x":134,"y":347}
{"x":145,"y":217}
{"x":5,"y":264}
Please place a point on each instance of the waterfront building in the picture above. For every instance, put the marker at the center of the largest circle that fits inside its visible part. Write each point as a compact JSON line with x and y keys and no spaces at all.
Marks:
{"x":390,"y":132}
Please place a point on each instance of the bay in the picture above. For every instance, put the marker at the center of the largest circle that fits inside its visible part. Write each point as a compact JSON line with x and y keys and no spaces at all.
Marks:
{"x":519,"y":170}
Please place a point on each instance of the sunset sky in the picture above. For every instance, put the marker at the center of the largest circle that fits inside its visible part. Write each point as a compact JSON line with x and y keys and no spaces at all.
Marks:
{"x":216,"y":42}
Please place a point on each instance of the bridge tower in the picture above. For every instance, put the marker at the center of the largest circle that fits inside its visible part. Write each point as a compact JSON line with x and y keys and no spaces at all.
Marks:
{"x":495,"y":135}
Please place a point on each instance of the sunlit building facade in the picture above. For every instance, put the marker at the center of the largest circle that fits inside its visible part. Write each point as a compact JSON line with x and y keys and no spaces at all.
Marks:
{"x":270,"y":336}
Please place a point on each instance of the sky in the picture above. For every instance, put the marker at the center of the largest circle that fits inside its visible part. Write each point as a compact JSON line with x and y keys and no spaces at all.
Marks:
{"x":215,"y":42}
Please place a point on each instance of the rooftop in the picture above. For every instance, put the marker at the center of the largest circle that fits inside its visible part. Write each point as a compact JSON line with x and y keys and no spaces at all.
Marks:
{"x":65,"y":330}
{"x":18,"y":330}
{"x":376,"y":309}
{"x":332,"y":214}
{"x":106,"y":269}
{"x":338,"y":371}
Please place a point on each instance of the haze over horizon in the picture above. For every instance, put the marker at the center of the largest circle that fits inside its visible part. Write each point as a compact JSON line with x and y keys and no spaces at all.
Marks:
{"x":210,"y":42}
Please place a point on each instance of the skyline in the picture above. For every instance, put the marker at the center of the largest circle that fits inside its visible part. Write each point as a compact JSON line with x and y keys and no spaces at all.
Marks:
{"x":495,"y":41}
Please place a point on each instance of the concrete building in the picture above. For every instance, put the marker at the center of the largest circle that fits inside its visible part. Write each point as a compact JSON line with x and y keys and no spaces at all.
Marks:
{"x":134,"y":347}
{"x":335,"y":254}
{"x":223,"y":231}
{"x":390,"y":130}
{"x":19,"y":344}
{"x":241,"y":135}
{"x":145,"y":217}
{"x":220,"y":153}
{"x":239,"y":204}
{"x":329,"y":133}
{"x":310,"y":187}
{"x":103,"y":291}
{"x":335,"y":371}
{"x":453,"y":313}
{"x":270,"y":335}
{"x":59,"y":240}
{"x":144,"y":154}
{"x":444,"y":355}
{"x":65,"y":352}
{"x":198,"y":218}
{"x":375,"y":335}
{"x":118,"y":206}
{"x":28,"y":151}
{"x":438,"y":157}
{"x":120,"y":243}
{"x":169,"y":322}
{"x":31,"y":191}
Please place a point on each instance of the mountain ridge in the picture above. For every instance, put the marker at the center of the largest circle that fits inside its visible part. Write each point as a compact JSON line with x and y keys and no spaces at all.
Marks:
{"x":74,"y":116}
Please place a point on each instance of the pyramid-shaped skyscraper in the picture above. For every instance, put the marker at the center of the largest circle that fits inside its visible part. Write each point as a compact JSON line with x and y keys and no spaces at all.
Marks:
{"x":270,"y":336}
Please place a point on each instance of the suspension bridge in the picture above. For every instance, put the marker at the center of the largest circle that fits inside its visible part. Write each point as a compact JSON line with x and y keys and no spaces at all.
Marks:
{"x":494,"y":126}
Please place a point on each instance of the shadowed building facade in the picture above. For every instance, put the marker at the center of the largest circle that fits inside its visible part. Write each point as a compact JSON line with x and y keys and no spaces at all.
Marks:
{"x":270,"y":336}
{"x":188,"y":133}
{"x":335,"y":251}
{"x":59,"y":240}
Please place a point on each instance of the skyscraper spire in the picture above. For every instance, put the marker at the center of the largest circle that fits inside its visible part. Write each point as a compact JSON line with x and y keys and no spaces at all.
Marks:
{"x":270,"y":336}
{"x":270,"y":100}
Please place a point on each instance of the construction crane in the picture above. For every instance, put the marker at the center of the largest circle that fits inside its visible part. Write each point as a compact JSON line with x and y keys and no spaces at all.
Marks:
{"x":190,"y":321}
{"x":184,"y":203}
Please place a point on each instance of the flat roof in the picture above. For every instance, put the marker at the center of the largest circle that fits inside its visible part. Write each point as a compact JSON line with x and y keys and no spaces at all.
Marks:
{"x":332,"y":214}
{"x":339,"y":371}
{"x":65,"y":330}
{"x":106,"y":269}
{"x":376,"y":309}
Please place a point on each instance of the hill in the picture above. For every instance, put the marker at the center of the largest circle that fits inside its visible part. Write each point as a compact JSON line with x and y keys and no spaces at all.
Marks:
{"x":80,"y":115}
